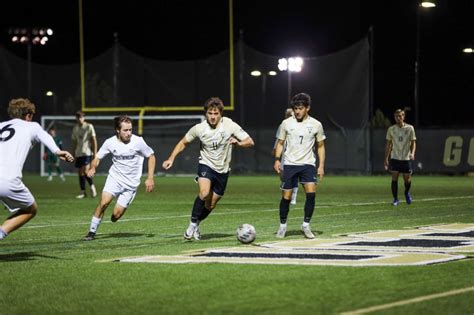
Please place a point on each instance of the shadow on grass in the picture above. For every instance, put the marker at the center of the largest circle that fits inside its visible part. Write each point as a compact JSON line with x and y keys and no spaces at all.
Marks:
{"x":123,"y":235}
{"x":299,"y":233}
{"x":215,"y":235}
{"x":25,"y":256}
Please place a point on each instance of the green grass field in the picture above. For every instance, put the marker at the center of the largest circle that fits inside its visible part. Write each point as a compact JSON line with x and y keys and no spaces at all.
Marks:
{"x":47,"y":268}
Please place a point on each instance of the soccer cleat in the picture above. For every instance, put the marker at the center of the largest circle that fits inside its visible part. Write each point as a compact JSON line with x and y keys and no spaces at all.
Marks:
{"x":408,"y":198}
{"x":395,"y":202}
{"x":197,"y":234}
{"x":89,"y":237}
{"x":188,"y":234}
{"x":62,"y":177}
{"x":93,"y":191}
{"x":50,"y":178}
{"x":307,"y":232}
{"x":81,"y":195}
{"x":281,"y":231}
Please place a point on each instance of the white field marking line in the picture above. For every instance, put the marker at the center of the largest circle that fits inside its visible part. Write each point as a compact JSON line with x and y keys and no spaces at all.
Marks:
{"x":225,"y":212}
{"x":409,"y":301}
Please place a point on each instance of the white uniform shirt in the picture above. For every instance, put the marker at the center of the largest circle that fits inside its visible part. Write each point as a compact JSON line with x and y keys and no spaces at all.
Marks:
{"x":300,"y":138}
{"x":127,"y":159}
{"x":216,"y":151}
{"x":17,"y":137}
{"x":401,"y":140}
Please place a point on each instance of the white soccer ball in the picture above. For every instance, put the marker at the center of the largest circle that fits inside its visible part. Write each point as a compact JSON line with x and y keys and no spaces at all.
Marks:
{"x":246,"y":233}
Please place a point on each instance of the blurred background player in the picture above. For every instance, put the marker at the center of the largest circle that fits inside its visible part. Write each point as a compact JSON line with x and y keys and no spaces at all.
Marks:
{"x":288,"y":113}
{"x":84,"y":146}
{"x":128,"y":152}
{"x":16,"y":138}
{"x":52,"y":161}
{"x":301,"y":133}
{"x":218,"y":135}
{"x":400,"y":149}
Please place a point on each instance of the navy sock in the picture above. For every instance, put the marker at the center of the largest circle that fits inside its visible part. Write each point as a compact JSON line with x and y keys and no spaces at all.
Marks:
{"x":197,"y":209}
{"x":204,"y":213}
{"x":284,"y":209}
{"x":89,"y":180}
{"x":407,"y":187}
{"x":394,"y":189}
{"x":82,"y":182}
{"x":309,"y":206}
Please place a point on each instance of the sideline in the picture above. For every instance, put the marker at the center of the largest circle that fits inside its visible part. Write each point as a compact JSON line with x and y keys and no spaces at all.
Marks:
{"x":409,"y":301}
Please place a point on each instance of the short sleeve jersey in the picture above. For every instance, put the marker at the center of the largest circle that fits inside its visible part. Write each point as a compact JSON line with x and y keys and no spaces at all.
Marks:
{"x":17,"y":137}
{"x":216,"y":151}
{"x":127,"y":159}
{"x":401,"y":138}
{"x":82,"y":135}
{"x":300,"y":139}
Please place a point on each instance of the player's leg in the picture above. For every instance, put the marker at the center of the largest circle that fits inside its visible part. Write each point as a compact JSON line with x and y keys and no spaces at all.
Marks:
{"x":17,"y":219}
{"x":395,"y":171}
{"x":124,"y":200}
{"x":49,"y":168}
{"x":99,"y":211}
{"x":204,"y":184}
{"x":87,"y":178}
{"x":407,"y":182}
{"x":81,"y":175}
{"x":290,"y":179}
{"x":59,"y":170}
{"x":309,"y":180}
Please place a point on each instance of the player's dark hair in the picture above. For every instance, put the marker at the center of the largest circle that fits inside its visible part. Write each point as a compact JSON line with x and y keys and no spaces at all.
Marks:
{"x":20,"y":107}
{"x":301,"y":99}
{"x":80,"y":114}
{"x":214,"y":102}
{"x":119,"y":120}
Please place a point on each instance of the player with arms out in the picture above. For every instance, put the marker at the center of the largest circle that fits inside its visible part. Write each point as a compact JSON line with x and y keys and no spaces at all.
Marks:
{"x":400,"y":149}
{"x":52,"y":161}
{"x":128,"y":153}
{"x":301,"y":133}
{"x":16,"y":138}
{"x":217,"y":135}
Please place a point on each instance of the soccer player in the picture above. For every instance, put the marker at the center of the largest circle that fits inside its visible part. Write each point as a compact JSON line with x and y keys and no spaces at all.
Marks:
{"x":84,"y":146}
{"x":51,"y":159}
{"x":16,"y":137}
{"x":302,"y":134}
{"x":288,"y":113}
{"x":128,"y":153}
{"x":217,"y":135}
{"x":400,"y":149}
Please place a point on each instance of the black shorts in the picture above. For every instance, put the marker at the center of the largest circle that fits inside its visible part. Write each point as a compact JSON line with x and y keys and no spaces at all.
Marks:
{"x":218,"y":180}
{"x":292,"y":174}
{"x":403,"y":167}
{"x":83,"y":160}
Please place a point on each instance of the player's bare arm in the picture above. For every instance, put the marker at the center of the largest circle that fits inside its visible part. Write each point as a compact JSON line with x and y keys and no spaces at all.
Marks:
{"x":93,"y":167}
{"x":278,"y":153}
{"x":94,"y":145}
{"x":412,"y":149}
{"x":246,"y":143}
{"x":388,"y":149}
{"x":322,"y":158}
{"x":65,"y":156}
{"x":180,"y":146}
{"x":150,"y":182}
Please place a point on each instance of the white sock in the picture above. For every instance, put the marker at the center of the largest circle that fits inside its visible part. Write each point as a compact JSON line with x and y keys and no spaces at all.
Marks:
{"x":283,"y":225}
{"x":95,"y":222}
{"x":3,"y":234}
{"x":305,"y":224}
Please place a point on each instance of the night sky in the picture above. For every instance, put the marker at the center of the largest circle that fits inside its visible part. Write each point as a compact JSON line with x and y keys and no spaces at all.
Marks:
{"x":187,"y":30}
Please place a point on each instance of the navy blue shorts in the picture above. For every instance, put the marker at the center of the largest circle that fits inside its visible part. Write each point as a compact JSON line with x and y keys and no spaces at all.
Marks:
{"x":292,"y":174}
{"x":83,"y":160}
{"x":403,"y":167}
{"x":218,"y":180}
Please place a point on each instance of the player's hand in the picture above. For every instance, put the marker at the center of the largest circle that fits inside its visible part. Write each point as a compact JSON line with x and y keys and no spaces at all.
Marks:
{"x":385,"y":165}
{"x":167,"y":164}
{"x":149,"y":184}
{"x":321,"y":173}
{"x":411,"y":156}
{"x":233,"y":141}
{"x":65,"y":156}
{"x":91,"y":172}
{"x":276,"y":166}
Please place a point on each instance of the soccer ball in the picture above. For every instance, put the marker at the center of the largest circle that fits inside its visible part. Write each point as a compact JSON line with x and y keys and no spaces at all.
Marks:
{"x":246,"y":233}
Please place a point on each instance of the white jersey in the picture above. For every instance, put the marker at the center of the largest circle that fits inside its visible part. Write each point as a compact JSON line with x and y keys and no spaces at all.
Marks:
{"x":401,"y":141}
{"x":17,"y":136}
{"x":216,"y":151}
{"x":127,"y":159}
{"x":300,"y":139}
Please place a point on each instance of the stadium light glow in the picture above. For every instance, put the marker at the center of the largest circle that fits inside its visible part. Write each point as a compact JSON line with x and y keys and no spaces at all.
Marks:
{"x":292,"y":64}
{"x":255,"y":73}
{"x":468,"y":50}
{"x":428,"y":4}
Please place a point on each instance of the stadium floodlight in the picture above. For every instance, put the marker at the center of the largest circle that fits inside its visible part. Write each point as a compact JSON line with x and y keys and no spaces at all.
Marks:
{"x":422,"y":5}
{"x":468,"y":50}
{"x":263,"y":74}
{"x":292,"y":64}
{"x":30,"y":36}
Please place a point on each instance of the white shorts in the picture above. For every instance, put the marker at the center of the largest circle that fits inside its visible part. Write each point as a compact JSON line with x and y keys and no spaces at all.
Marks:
{"x":124,"y":195}
{"x":15,"y":195}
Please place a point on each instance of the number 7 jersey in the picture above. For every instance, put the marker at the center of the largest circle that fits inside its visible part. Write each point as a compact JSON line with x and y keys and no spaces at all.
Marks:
{"x":300,"y":139}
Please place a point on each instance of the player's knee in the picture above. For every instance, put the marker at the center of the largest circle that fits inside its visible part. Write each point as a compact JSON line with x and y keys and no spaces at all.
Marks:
{"x":115,"y":217}
{"x":311,"y":195}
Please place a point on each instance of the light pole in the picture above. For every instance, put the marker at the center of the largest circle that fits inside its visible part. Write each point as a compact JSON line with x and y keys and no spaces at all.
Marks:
{"x":416,"y":105}
{"x":292,"y":64}
{"x":258,"y":73}
{"x":30,"y":36}
{"x":55,"y":100}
